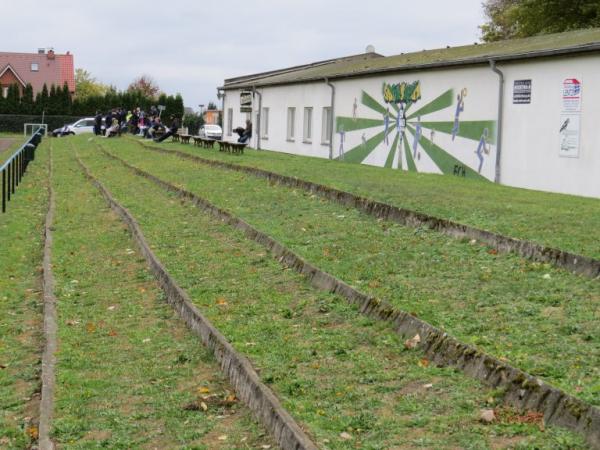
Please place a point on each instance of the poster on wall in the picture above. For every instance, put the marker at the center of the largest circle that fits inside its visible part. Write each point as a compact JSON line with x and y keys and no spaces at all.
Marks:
{"x":246,"y":102}
{"x":571,"y":95}
{"x":522,"y":92}
{"x":569,"y":135}
{"x":570,"y":118}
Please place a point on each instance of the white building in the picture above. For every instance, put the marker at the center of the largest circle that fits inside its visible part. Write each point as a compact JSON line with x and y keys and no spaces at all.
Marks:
{"x":524,"y":113}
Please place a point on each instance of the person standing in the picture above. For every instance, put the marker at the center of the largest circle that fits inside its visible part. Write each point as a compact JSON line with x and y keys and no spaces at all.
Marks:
{"x":98,"y":124}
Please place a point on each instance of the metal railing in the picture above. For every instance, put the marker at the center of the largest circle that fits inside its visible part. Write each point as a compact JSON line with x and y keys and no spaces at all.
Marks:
{"x":15,"y":166}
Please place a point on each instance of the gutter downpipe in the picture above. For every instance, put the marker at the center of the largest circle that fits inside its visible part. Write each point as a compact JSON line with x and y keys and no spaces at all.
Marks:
{"x":221,"y":94}
{"x":500,"y":121}
{"x":331,"y":118}
{"x":254,"y":91}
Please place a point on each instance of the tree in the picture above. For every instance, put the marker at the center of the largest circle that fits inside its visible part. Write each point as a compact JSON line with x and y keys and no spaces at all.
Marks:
{"x":27,"y":100}
{"x":87,"y":86}
{"x":211,"y":106}
{"x":12,"y":103}
{"x":145,"y":86}
{"x":508,"y":19}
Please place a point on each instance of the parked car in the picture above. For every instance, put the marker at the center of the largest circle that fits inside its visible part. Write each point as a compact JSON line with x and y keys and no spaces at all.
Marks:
{"x":211,"y":132}
{"x":85,"y":125}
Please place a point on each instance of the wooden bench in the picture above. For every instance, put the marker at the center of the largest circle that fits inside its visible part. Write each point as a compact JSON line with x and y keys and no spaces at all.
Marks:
{"x":175,"y":138}
{"x":197,"y":141}
{"x":208,"y":143}
{"x":231,"y":147}
{"x":185,"y":138}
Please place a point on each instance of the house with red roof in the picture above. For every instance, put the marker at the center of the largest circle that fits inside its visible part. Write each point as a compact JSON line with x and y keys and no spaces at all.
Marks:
{"x":37,"y":69}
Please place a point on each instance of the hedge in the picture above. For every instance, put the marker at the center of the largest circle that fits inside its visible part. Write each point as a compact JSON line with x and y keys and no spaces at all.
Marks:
{"x":14,"y":123}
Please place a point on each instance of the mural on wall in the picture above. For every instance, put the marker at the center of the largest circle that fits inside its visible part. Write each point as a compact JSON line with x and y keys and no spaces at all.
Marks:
{"x":406,"y":130}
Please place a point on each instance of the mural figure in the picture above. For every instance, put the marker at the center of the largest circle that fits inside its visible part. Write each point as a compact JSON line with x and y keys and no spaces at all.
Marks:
{"x":342,"y":134}
{"x":432,"y":136}
{"x":460,"y":107}
{"x":354,"y":109}
{"x":418,"y":131}
{"x":364,"y":140}
{"x":386,"y":124}
{"x":482,"y":148}
{"x":401,"y":121}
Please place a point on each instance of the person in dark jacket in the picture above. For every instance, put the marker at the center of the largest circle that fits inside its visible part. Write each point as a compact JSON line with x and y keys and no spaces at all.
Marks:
{"x":172,"y":130}
{"x":247,"y":134}
{"x":98,"y":124}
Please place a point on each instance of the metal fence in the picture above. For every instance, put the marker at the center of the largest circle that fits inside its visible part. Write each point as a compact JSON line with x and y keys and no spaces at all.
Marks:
{"x":15,"y":166}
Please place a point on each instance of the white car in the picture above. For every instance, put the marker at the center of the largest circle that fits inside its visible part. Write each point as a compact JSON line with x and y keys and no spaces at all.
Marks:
{"x":211,"y":132}
{"x":85,"y":125}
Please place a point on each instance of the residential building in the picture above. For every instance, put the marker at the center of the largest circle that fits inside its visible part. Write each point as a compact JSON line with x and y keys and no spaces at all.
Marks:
{"x":37,"y":69}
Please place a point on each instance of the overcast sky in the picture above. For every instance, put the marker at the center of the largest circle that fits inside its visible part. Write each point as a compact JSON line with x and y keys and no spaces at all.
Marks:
{"x":191,"y":46}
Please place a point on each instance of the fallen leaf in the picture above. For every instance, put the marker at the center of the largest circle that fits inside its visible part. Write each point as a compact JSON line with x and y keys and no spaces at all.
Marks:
{"x":487,"y":415}
{"x":413,"y":342}
{"x":221,"y":301}
{"x":223,"y":437}
{"x":265,"y":446}
{"x":345,"y":436}
{"x":73,"y":322}
{"x":493,"y":251}
{"x":546,"y":276}
{"x":111,"y":308}
{"x":33,"y":432}
{"x":428,"y":386}
{"x":145,"y":341}
{"x":424,"y":362}
{"x":203,"y":390}
{"x":203,"y":406}
{"x":112,"y":333}
{"x":90,"y":327}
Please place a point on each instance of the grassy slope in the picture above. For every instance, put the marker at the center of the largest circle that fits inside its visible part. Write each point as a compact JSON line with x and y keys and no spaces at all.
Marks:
{"x":541,"y":319}
{"x":334,"y":370}
{"x":127,"y":367}
{"x":21,"y":244}
{"x":18,"y":140}
{"x":561,"y":221}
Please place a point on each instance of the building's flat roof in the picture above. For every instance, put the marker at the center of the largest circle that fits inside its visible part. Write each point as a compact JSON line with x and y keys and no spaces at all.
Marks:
{"x":538,"y":46}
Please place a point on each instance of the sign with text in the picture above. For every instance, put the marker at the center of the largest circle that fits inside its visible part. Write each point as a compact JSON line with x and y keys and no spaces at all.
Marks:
{"x":570,"y":118}
{"x":522,"y":92}
{"x":246,"y":102}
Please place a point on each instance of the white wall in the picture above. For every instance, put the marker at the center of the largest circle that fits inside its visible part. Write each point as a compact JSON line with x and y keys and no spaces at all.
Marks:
{"x":530,"y":149}
{"x":531,"y":144}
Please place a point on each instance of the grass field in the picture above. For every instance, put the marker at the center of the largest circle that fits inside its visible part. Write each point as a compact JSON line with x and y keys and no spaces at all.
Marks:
{"x":130,"y":375}
{"x":555,"y":220}
{"x":21,"y":243}
{"x":527,"y":313}
{"x":335,"y":371}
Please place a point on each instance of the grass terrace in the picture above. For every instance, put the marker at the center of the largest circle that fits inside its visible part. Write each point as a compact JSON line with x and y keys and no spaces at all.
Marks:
{"x":347,"y":379}
{"x":129,"y":373}
{"x":539,"y":318}
{"x":556,"y":220}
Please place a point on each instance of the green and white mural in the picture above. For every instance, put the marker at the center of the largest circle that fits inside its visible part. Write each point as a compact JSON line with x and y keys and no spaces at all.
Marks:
{"x":417,"y":135}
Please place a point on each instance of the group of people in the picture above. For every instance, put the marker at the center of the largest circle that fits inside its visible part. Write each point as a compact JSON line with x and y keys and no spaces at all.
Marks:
{"x":137,"y":122}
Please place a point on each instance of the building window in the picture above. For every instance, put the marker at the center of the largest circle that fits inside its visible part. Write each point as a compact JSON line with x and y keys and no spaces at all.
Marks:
{"x":264,"y":122}
{"x":229,"y":121}
{"x":291,"y":119}
{"x":4,"y":91}
{"x":35,"y":67}
{"x":307,"y":131}
{"x":326,"y":128}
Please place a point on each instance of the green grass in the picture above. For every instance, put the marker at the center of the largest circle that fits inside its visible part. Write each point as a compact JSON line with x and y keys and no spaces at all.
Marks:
{"x":541,"y":319}
{"x":127,"y":367}
{"x":334,"y":370}
{"x":21,"y":244}
{"x":561,"y":221}
{"x":17,"y":141}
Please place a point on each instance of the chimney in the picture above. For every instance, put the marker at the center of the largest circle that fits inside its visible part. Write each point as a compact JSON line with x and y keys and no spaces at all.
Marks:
{"x":50,"y":54}
{"x":41,"y":51}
